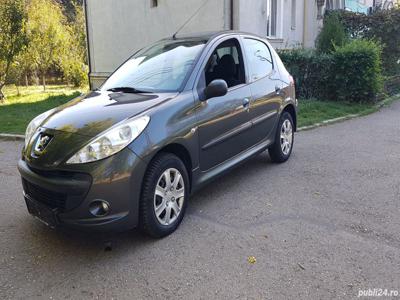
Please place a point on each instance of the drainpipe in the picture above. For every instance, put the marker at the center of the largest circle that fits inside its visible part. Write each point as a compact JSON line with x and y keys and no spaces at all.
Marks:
{"x":304,"y":23}
{"x":234,"y":14}
{"x":232,"y":17}
{"x":87,"y":41}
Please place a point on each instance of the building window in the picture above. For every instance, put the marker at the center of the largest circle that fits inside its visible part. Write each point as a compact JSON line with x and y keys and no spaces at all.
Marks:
{"x":337,"y":4}
{"x":293,"y":18}
{"x":153,"y":3}
{"x":272,"y":17}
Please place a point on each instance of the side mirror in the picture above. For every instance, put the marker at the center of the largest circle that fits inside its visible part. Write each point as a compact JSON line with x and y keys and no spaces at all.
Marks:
{"x":216,"y":88}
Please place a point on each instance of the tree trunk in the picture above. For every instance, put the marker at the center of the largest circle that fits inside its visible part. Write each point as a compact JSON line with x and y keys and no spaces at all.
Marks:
{"x":26,"y":80}
{"x":17,"y":86}
{"x":44,"y":81}
{"x":2,"y":97}
{"x":36,"y":78}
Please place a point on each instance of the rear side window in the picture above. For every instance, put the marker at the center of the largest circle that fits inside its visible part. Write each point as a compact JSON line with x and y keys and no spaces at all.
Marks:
{"x":259,"y":58}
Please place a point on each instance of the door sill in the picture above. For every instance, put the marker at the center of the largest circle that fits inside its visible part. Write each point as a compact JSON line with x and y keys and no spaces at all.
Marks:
{"x":203,"y":177}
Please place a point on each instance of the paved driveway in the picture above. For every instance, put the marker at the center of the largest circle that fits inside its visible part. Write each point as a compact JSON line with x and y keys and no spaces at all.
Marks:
{"x":323,"y":225}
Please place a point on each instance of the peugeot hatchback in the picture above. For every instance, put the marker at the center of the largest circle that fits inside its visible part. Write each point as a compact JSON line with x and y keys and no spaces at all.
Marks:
{"x":173,"y":117}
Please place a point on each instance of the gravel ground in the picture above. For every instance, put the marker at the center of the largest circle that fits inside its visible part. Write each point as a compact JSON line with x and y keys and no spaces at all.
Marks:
{"x":321,"y":226}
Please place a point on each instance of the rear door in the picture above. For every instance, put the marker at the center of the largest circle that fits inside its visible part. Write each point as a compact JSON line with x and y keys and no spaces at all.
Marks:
{"x":265,"y":87}
{"x":224,"y":122}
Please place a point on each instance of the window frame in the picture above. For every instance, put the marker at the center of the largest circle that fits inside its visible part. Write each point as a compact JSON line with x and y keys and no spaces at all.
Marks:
{"x":270,"y":18}
{"x":215,"y":44}
{"x":293,"y":17}
{"x":153,"y":3}
{"x":248,"y":61}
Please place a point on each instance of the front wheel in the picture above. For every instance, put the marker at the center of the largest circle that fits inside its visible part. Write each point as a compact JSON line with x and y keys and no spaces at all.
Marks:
{"x":281,"y":150}
{"x":164,"y":195}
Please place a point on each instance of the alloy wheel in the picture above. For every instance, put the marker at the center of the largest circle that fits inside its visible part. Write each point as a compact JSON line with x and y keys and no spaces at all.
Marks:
{"x":286,"y":137}
{"x":169,"y":196}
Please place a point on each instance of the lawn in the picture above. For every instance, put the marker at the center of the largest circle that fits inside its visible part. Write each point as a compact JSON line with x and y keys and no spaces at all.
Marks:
{"x":315,"y":111}
{"x":19,"y":110}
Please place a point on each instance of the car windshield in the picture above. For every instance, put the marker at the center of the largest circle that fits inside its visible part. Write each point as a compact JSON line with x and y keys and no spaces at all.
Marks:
{"x":162,"y":67}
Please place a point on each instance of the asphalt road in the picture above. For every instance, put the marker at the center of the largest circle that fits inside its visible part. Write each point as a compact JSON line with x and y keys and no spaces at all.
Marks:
{"x":323,"y":225}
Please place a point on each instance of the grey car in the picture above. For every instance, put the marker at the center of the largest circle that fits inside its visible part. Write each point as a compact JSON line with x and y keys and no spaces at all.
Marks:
{"x":172,"y":118}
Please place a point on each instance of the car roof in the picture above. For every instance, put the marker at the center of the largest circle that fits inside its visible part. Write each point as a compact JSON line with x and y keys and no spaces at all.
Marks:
{"x":207,"y":36}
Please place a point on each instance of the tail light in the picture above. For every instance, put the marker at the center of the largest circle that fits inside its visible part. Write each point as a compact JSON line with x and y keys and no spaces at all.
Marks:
{"x":292,"y":82}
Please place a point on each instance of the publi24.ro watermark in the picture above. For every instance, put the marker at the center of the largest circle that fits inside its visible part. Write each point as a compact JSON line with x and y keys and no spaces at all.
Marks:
{"x":378,"y":293}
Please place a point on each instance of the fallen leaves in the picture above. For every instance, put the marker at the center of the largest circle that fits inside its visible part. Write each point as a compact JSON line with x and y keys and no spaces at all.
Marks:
{"x":251,"y":260}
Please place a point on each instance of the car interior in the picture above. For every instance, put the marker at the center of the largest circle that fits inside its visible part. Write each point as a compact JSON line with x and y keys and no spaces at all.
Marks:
{"x":226,"y":63}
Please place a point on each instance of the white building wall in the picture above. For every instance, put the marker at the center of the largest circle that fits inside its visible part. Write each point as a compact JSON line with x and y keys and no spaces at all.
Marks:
{"x":250,"y":16}
{"x":291,"y":36}
{"x":118,"y":28}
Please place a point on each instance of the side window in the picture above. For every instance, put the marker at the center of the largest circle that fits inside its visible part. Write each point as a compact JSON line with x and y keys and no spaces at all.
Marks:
{"x":259,"y":58}
{"x":226,"y":63}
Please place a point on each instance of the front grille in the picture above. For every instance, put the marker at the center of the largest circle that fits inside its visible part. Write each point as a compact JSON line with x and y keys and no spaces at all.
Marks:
{"x":47,"y":197}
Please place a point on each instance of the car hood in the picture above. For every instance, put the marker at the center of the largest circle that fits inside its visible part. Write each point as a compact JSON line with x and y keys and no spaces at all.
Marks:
{"x":91,"y":114}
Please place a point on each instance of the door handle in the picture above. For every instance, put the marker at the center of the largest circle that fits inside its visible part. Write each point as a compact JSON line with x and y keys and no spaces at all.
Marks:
{"x":246,"y":103}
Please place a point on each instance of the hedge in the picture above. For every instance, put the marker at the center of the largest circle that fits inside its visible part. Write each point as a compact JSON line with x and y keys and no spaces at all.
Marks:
{"x":382,"y":26}
{"x":332,"y":34}
{"x":311,"y":72}
{"x":351,"y":73}
{"x":357,"y":71}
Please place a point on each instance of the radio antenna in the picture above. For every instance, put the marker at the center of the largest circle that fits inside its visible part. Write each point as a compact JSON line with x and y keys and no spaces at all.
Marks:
{"x":188,"y":20}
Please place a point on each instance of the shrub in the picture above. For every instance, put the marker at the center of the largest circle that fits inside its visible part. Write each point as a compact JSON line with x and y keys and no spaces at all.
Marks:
{"x":75,"y":72}
{"x":357,"y":74}
{"x":392,"y":85}
{"x":351,"y":73}
{"x":332,"y":34}
{"x":383,"y":26}
{"x":310,"y":70}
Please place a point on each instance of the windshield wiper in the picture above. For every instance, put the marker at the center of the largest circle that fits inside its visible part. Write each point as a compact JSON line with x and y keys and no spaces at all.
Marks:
{"x":126,"y":89}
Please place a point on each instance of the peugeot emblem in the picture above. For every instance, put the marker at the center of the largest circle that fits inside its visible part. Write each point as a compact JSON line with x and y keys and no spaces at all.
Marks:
{"x":41,"y":143}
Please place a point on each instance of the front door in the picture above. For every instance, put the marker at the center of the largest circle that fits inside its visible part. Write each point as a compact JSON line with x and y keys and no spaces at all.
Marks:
{"x":224,"y":122}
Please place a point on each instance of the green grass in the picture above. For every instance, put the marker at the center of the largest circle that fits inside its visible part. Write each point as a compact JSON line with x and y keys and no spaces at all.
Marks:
{"x":18,"y":110}
{"x":316,"y":111}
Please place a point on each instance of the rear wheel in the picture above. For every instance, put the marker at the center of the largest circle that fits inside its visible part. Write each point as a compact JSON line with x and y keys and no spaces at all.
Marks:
{"x":281,"y":150}
{"x":164,"y":195}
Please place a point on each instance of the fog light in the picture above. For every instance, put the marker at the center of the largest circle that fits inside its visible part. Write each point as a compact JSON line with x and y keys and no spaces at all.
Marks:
{"x":99,"y":208}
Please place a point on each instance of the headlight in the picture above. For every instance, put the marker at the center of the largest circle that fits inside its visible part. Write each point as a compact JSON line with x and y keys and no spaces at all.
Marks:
{"x":111,"y":141}
{"x":34,"y":124}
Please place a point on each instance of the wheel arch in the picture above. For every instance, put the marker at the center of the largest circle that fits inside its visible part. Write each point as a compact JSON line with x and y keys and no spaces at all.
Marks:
{"x":292,"y":111}
{"x":182,"y":153}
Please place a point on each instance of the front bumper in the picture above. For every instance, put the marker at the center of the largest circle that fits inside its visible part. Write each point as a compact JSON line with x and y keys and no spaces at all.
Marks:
{"x":67,"y":192}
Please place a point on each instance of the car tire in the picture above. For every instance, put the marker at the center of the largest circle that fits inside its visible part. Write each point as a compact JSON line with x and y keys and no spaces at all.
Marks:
{"x":284,"y":136}
{"x":160,"y":197}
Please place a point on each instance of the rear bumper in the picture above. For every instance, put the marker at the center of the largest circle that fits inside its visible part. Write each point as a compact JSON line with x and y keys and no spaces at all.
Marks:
{"x":69,"y":192}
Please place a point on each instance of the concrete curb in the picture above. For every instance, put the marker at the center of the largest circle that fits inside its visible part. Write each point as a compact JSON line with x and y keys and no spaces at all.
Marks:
{"x":328,"y":122}
{"x":11,"y":137}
